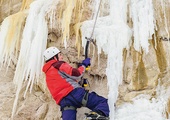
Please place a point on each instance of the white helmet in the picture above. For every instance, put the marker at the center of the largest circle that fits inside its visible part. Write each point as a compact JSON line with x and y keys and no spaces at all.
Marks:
{"x":50,"y":52}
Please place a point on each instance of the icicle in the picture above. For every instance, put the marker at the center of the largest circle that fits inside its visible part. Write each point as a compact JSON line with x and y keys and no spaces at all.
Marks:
{"x":73,"y":9}
{"x":165,"y":18}
{"x":112,"y":36}
{"x":51,"y":15}
{"x":67,"y":15}
{"x":118,"y":41}
{"x":115,"y":16}
{"x":3,"y":35}
{"x":33,"y":44}
{"x":25,"y":4}
{"x":78,"y":12}
{"x":11,"y":35}
{"x":104,"y":8}
{"x":143,"y":23}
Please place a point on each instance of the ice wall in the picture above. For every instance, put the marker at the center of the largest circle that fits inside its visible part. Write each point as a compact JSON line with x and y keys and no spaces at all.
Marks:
{"x":112,"y":35}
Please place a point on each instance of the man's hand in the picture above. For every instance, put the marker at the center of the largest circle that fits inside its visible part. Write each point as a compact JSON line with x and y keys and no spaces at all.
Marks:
{"x":86,"y":62}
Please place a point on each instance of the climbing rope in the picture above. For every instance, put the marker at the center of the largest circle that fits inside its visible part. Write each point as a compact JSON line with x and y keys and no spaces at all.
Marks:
{"x":96,"y":19}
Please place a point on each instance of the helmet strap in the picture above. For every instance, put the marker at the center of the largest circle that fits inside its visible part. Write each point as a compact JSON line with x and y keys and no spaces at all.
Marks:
{"x":57,"y":57}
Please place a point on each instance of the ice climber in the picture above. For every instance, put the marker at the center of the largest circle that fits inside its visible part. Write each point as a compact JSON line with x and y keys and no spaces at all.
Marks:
{"x":63,"y":83}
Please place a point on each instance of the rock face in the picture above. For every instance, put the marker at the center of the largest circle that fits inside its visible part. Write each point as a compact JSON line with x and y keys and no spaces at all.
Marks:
{"x":141,"y":72}
{"x":9,"y":7}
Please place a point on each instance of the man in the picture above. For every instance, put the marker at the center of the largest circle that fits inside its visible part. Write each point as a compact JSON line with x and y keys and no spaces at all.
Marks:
{"x":63,"y":83}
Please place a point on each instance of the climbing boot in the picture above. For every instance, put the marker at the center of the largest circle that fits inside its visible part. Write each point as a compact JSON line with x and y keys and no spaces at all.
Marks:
{"x":95,"y":116}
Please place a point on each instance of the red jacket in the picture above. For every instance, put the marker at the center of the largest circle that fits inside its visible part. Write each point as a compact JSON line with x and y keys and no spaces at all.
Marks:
{"x":61,"y":78}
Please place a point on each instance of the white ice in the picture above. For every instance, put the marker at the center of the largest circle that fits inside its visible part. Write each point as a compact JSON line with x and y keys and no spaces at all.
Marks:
{"x":34,"y":41}
{"x":112,"y":35}
{"x":144,"y":107}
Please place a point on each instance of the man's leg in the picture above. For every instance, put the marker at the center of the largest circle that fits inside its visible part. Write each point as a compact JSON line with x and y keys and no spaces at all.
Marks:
{"x":70,"y":103}
{"x":98,"y":104}
{"x":69,"y":115}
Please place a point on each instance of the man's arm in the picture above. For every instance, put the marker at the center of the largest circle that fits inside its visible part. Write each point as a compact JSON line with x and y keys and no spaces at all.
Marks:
{"x":69,"y":70}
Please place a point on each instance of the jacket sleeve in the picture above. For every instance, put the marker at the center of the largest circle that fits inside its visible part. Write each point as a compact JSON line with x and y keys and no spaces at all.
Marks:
{"x":68,"y":70}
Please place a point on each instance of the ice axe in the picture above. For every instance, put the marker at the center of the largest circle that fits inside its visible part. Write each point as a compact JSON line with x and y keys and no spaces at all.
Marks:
{"x":87,"y":47}
{"x":84,"y":82}
{"x":91,"y":39}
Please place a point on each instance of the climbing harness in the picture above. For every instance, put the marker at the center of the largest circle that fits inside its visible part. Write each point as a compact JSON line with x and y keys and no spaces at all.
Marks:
{"x":83,"y":103}
{"x":85,"y":98}
{"x":68,"y":108}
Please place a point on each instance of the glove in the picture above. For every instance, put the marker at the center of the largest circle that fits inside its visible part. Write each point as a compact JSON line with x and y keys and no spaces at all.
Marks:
{"x":84,"y":82}
{"x":86,"y":62}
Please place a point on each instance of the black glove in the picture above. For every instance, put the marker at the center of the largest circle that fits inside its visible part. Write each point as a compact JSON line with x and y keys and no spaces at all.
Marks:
{"x":84,"y":82}
{"x":86,"y":62}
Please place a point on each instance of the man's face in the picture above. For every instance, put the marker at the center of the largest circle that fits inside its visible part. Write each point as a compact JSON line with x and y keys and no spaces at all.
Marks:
{"x":60,"y":57}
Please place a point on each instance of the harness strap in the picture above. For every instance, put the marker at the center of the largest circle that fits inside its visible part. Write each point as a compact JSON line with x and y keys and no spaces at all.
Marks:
{"x":84,"y":102}
{"x":68,"y":108}
{"x":85,"y":98}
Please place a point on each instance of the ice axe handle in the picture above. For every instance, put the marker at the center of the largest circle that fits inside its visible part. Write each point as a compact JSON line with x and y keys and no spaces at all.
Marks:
{"x":86,"y":52}
{"x":86,"y":48}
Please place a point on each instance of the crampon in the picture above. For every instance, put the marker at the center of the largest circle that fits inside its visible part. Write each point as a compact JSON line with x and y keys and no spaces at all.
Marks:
{"x":94,"y":116}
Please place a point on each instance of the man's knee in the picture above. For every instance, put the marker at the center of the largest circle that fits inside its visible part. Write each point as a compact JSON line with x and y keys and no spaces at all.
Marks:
{"x":69,"y":114}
